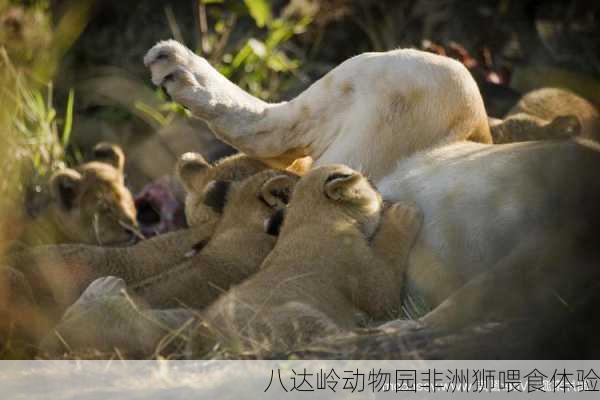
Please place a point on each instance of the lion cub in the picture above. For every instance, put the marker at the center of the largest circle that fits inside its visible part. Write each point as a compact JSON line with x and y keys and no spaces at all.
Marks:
{"x":88,"y":204}
{"x":548,"y":113}
{"x":63,"y":272}
{"x":194,"y":173}
{"x":235,"y":251}
{"x":339,"y":259}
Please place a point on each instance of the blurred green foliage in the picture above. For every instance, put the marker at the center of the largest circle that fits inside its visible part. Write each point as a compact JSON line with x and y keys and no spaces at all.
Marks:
{"x":33,"y":136}
{"x":247,"y":43}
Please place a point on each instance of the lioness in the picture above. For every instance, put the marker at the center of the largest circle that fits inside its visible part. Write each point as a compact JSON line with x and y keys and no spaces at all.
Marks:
{"x":482,"y":202}
{"x":337,"y":262}
{"x":478,"y":199}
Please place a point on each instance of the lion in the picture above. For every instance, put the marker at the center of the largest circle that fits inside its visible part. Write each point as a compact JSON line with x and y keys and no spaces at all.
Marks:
{"x":233,"y":252}
{"x":454,"y":278}
{"x":61,"y":273}
{"x":88,"y":204}
{"x":338,"y":262}
{"x":478,"y":198}
{"x":194,"y":173}
{"x":482,"y":202}
{"x":236,"y":249}
{"x":547,"y":113}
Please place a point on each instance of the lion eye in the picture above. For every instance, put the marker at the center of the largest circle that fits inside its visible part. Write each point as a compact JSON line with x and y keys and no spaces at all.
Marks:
{"x":335,"y":176}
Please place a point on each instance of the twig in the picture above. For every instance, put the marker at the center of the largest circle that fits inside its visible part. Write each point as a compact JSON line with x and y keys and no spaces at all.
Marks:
{"x":172,"y":21}
{"x":219,"y":49}
{"x":203,"y":24}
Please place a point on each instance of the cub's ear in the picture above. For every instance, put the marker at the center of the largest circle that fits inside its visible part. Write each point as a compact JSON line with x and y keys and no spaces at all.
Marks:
{"x":215,"y":195}
{"x":189,"y":168}
{"x":273,"y":224}
{"x":276,"y":191}
{"x":64,"y":186}
{"x":345,"y":186}
{"x":110,"y":154}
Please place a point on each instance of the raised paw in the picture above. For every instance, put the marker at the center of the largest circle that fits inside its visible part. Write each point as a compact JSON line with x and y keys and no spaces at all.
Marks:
{"x":170,"y":61}
{"x":189,"y":79}
{"x":97,"y":290}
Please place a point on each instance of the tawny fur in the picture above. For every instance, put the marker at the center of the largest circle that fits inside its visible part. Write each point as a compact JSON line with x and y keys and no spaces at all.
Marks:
{"x":548,"y":113}
{"x":466,"y":274}
{"x":191,"y":268}
{"x":482,"y":201}
{"x":235,"y":251}
{"x":195,"y":173}
{"x":450,"y":181}
{"x":68,"y":269}
{"x":337,"y":261}
{"x":458,"y":183}
{"x":89,"y":204}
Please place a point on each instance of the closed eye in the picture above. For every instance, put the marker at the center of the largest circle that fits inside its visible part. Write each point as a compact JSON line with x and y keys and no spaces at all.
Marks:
{"x":335,"y":176}
{"x":161,"y":56}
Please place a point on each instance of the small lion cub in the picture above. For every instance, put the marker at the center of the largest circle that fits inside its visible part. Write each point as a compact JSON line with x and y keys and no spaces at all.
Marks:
{"x":339,"y":258}
{"x":548,"y":114}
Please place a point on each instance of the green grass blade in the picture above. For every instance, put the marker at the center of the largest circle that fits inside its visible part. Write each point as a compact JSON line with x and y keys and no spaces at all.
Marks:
{"x":66,"y":134}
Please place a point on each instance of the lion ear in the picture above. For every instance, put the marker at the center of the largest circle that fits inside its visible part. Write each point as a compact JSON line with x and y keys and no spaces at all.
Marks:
{"x":215,"y":195}
{"x":276,"y":192}
{"x":190,"y":167}
{"x":109,"y":153}
{"x":344,"y":186}
{"x":64,"y":186}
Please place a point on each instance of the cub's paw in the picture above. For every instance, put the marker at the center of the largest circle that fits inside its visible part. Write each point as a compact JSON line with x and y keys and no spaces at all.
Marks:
{"x":98,"y":290}
{"x":408,"y":217}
